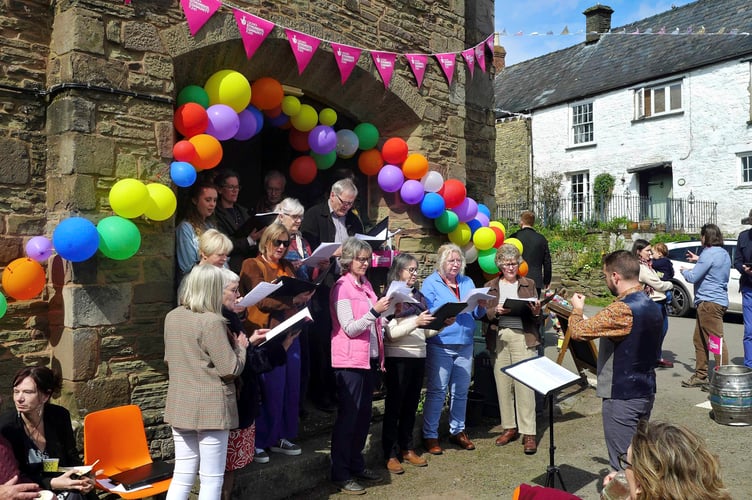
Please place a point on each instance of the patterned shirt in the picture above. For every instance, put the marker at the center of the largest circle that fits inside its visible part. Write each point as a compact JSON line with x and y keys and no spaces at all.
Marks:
{"x":615,"y":320}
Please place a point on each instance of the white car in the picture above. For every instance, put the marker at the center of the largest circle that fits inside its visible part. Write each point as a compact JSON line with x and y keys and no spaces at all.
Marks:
{"x":684,"y":293}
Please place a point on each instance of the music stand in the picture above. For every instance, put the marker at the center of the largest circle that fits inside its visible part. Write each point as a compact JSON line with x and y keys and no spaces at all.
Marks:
{"x":545,"y":377}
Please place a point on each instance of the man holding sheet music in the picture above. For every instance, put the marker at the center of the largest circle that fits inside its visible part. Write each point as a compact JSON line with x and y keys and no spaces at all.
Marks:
{"x":330,"y":221}
{"x":630,"y":341}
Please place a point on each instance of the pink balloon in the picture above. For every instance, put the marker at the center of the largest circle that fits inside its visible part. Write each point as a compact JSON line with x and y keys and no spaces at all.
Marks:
{"x":39,"y":248}
{"x":223,"y":122}
{"x":467,"y":210}
{"x":483,"y":219}
{"x":247,"y":126}
{"x":390,"y":178}
{"x":412,"y":192}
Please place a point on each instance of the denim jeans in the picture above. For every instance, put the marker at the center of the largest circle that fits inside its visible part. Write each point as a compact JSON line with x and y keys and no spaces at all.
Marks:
{"x":194,"y":449}
{"x":448,"y":366}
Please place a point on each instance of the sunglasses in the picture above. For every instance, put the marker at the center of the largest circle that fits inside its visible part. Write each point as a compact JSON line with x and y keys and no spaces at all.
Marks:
{"x":285,"y":243}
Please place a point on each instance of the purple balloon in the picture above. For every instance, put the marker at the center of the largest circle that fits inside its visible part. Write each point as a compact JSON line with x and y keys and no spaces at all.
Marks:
{"x":223,"y":122}
{"x":390,"y":178}
{"x":483,"y":219}
{"x":248,"y":126}
{"x":432,"y":205}
{"x":412,"y":192}
{"x":466,"y":210}
{"x":322,"y":139}
{"x":39,"y":248}
{"x":484,"y":209}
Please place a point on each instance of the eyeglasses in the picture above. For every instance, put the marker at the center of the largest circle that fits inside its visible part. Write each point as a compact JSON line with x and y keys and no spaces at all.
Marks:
{"x":231,"y":188}
{"x":285,"y":243}
{"x":344,"y":203}
{"x":234,"y":290}
{"x":510,"y":264}
{"x":454,"y":261}
{"x":363,"y":260}
{"x":623,"y":462}
{"x":412,"y":270}
{"x":293,"y":217}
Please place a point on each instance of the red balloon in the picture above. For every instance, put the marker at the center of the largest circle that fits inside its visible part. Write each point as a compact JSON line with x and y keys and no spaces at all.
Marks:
{"x":274,"y":112}
{"x":303,"y":170}
{"x":499,"y":236}
{"x":191,"y":119}
{"x":299,"y":140}
{"x":453,"y":192}
{"x":184,"y":151}
{"x":394,"y":151}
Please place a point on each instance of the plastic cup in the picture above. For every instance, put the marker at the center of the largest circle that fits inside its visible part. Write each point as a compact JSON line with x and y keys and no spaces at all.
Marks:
{"x":617,"y":488}
{"x":50,"y":464}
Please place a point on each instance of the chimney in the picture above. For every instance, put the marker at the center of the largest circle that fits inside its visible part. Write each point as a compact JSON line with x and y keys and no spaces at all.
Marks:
{"x":499,"y":55}
{"x":597,"y":20}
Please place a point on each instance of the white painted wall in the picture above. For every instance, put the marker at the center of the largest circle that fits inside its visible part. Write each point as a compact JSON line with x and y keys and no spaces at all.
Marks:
{"x":702,"y":142}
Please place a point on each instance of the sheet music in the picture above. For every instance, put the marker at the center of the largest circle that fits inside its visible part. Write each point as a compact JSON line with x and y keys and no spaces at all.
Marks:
{"x":259,"y":292}
{"x":323,"y":252}
{"x":398,"y":292}
{"x":541,"y":374}
{"x":475,"y":295}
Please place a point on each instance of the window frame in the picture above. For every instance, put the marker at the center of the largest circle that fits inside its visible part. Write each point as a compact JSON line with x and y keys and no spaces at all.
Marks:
{"x":575,"y":134}
{"x":745,"y":164}
{"x":579,"y":198}
{"x":648,"y":95}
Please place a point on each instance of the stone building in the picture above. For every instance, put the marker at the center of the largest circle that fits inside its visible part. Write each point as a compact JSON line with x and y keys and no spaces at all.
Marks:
{"x":88,"y":94}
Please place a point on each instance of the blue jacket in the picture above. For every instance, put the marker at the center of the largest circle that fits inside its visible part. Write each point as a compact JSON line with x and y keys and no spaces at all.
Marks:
{"x":710,"y":276}
{"x":438,"y":293}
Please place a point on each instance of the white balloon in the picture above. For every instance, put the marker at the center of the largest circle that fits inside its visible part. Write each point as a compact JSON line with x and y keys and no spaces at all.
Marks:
{"x":471,"y":253}
{"x":432,"y":181}
{"x":347,"y":143}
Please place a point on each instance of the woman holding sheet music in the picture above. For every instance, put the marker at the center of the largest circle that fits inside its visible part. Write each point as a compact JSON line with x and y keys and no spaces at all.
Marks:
{"x":512,"y":337}
{"x":405,"y":361}
{"x":449,"y":355}
{"x":357,"y":348}
{"x":278,"y":421}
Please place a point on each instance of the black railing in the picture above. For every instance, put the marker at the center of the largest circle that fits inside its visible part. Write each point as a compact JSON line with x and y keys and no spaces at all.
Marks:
{"x":685,"y":215}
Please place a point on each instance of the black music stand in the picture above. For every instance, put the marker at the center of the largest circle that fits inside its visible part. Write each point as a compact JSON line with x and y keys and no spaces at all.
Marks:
{"x":545,"y":377}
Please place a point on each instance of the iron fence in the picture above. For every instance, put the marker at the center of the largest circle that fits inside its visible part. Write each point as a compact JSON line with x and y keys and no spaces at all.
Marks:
{"x":669,"y":214}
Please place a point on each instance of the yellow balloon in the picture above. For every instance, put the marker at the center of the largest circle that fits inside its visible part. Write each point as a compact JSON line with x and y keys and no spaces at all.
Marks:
{"x":291,"y":105}
{"x":129,"y":198}
{"x":461,"y":234}
{"x":328,"y":117}
{"x":484,"y":238}
{"x":495,"y":223}
{"x":306,"y":119}
{"x":162,"y":202}
{"x":230,"y":88}
{"x":515,"y":242}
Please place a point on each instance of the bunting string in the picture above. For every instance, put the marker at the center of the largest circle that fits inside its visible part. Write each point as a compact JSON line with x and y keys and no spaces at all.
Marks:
{"x":632,"y":31}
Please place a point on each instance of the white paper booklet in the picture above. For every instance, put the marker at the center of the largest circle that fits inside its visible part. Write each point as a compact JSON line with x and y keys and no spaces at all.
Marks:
{"x":259,"y":292}
{"x":474,"y":296}
{"x":294,"y":322}
{"x":323,"y":252}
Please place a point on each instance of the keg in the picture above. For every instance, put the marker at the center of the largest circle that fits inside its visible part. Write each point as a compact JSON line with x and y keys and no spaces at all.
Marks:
{"x":731,"y":395}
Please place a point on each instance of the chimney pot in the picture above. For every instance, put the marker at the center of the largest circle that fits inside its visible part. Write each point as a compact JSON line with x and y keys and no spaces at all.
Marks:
{"x":597,"y":21}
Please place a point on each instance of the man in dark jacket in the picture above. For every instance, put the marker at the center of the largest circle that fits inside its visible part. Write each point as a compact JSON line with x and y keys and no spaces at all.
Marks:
{"x":742,"y":261}
{"x":535,"y":251}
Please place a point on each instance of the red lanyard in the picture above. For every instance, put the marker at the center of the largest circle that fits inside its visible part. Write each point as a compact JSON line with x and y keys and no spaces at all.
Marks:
{"x":455,"y":289}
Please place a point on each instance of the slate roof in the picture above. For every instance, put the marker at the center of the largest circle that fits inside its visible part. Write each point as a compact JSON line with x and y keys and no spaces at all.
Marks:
{"x":619,"y":61}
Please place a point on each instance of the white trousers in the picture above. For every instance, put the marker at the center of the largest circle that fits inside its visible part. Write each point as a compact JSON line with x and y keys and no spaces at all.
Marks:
{"x":204,"y":452}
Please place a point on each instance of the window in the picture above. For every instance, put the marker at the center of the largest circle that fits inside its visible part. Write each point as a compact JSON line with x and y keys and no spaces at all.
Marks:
{"x":580,"y":191}
{"x":746,"y":164}
{"x":582,"y":123}
{"x":658,"y":100}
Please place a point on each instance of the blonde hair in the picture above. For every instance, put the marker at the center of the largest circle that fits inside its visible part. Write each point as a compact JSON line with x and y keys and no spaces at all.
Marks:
{"x":202,"y":290}
{"x":271,"y":233}
{"x":444,"y":252}
{"x":213,"y":242}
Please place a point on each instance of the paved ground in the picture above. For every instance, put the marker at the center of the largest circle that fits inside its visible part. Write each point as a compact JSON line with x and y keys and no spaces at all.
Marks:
{"x":494,"y":472}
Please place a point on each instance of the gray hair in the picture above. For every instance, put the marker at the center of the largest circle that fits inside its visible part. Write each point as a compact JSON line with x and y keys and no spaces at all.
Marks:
{"x":507,"y":252}
{"x":202,"y":290}
{"x":343,"y":185}
{"x":350,"y":249}
{"x":290,"y":206}
{"x":444,"y":252}
{"x":213,"y":242}
{"x":228,"y":277}
{"x":274,"y":174}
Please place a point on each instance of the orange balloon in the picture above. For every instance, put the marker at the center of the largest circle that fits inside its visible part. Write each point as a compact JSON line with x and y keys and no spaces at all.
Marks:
{"x":208,"y":151}
{"x":266,"y":93}
{"x":415,"y":166}
{"x":303,"y":170}
{"x":370,"y":161}
{"x":522,"y":269}
{"x":23,"y":279}
{"x":394,"y":151}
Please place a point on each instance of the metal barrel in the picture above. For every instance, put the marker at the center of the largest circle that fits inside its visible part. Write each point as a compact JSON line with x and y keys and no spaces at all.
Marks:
{"x":731,"y":395}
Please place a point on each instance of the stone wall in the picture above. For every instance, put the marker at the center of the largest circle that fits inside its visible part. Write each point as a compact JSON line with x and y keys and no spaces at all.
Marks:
{"x":87,"y":99}
{"x":513,"y":150}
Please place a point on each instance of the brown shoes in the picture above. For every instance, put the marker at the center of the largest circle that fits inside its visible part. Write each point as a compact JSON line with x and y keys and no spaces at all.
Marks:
{"x":507,"y":436}
{"x":529,"y":444}
{"x":394,"y":466}
{"x":461,"y":440}
{"x":412,"y":458}
{"x":432,"y":446}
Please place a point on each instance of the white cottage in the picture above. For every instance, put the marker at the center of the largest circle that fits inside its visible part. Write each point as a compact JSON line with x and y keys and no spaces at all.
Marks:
{"x":664,"y":105}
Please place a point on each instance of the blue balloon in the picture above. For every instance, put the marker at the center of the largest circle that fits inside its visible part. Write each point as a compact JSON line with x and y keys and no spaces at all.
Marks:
{"x":182,"y":173}
{"x":76,"y":239}
{"x":279,"y":120}
{"x":474,"y":224}
{"x":432,"y":205}
{"x":484,"y":209}
{"x":259,"y":118}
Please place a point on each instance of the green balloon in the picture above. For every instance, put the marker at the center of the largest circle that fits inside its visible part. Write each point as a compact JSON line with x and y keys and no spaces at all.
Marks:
{"x":326,"y":160}
{"x":487,"y":261}
{"x":193,"y":93}
{"x":447,"y":222}
{"x":368,"y":136}
{"x":119,"y":238}
{"x":3,"y":305}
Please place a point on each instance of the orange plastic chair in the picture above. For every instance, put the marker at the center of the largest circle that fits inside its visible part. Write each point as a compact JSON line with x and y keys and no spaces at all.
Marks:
{"x":116,"y":438}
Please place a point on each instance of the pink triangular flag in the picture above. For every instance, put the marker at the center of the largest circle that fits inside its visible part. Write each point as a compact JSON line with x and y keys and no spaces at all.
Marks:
{"x":480,"y":56}
{"x":417,"y":63}
{"x":347,"y":59}
{"x":715,"y":344}
{"x":253,"y":30}
{"x":303,"y":47}
{"x":490,"y":43}
{"x":469,"y":56}
{"x":447,"y":62}
{"x":197,"y":12}
{"x":384,"y":62}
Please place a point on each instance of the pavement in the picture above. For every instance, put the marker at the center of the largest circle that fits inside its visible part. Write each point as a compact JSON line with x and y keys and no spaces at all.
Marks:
{"x":494,"y":472}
